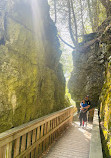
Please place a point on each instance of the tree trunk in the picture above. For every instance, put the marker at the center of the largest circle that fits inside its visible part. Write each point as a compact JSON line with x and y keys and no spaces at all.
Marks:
{"x":69,"y":21}
{"x":75,"y":22}
{"x":90,"y":15}
{"x":55,"y":11}
{"x":95,"y":14}
{"x":83,"y":28}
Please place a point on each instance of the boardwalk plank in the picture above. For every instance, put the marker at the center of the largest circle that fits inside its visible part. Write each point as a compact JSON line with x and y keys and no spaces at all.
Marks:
{"x":75,"y":143}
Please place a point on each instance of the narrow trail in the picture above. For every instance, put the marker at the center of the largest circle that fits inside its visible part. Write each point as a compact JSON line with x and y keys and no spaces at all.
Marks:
{"x":75,"y":143}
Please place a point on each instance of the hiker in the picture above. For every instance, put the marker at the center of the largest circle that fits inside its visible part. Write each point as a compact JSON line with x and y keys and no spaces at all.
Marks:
{"x":83,"y":111}
{"x":88,"y":103}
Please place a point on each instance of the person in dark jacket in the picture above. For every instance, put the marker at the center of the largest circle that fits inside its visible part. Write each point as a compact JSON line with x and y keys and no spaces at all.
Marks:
{"x":87,"y":101}
{"x":83,"y":111}
{"x":89,"y":104}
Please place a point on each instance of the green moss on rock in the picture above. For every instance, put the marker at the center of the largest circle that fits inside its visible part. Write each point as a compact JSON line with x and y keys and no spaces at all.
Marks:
{"x":31,"y":78}
{"x":105,"y":112}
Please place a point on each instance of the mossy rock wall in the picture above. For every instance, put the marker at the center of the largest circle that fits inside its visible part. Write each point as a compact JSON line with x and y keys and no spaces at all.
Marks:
{"x":92,"y":75}
{"x":87,"y":75}
{"x":32,"y":83}
{"x":105,"y":113}
{"x":105,"y":97}
{"x":89,"y":65}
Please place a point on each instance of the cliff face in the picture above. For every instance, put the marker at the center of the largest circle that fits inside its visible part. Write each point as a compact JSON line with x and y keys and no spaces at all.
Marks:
{"x":31,"y":78}
{"x":89,"y":65}
{"x":87,"y":76}
{"x":105,"y":96}
{"x":92,"y":75}
{"x":105,"y":112}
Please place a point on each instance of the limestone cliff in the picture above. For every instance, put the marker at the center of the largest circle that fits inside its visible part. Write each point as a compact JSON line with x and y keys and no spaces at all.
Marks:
{"x":105,"y":112}
{"x":105,"y":96}
{"x":31,"y":78}
{"x":87,"y":76}
{"x":92,"y":75}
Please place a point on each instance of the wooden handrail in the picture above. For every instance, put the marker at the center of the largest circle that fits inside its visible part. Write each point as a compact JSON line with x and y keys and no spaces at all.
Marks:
{"x":95,"y":143}
{"x":34,"y":137}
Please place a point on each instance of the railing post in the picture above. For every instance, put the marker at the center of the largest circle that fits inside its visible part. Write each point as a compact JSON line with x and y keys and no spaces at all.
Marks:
{"x":16,"y":147}
{"x":44,"y":143}
{"x":9,"y":150}
{"x":54,"y":132}
{"x":33,"y":141}
{"x":29,"y":140}
{"x":37,"y":146}
{"x":41,"y":131}
{"x":23,"y":143}
{"x":1,"y":153}
{"x":40,"y":147}
{"x":34,"y":136}
{"x":38,"y":133}
{"x":36,"y":151}
{"x":48,"y":129}
{"x":6,"y":151}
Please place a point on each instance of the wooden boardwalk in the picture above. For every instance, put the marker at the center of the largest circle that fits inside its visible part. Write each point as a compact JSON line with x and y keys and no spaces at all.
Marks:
{"x":74,"y":143}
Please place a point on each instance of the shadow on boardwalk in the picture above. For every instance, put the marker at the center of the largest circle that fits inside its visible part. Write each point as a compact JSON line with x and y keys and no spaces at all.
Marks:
{"x":74,"y":143}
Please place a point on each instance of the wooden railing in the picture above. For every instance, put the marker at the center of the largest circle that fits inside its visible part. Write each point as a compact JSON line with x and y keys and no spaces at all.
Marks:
{"x":91,"y":114}
{"x":32,"y":139}
{"x":95,"y":143}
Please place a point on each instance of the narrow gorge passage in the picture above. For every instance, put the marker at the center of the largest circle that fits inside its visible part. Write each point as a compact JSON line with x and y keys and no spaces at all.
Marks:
{"x":53,"y":54}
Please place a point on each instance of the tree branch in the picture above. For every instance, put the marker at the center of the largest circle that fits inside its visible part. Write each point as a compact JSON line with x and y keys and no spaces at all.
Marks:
{"x":88,"y":44}
{"x":65,"y":42}
{"x":84,"y":47}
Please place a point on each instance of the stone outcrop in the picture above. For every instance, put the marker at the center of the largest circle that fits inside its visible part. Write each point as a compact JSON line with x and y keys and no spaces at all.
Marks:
{"x":92,"y":75}
{"x":105,"y":96}
{"x":105,"y":112}
{"x":88,"y":74}
{"x":31,"y":78}
{"x":89,"y":64}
